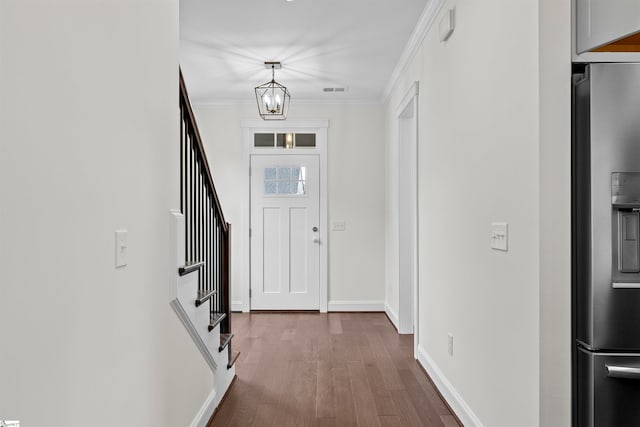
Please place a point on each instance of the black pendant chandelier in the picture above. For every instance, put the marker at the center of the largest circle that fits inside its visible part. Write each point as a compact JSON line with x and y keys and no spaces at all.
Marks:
{"x":272,"y":97}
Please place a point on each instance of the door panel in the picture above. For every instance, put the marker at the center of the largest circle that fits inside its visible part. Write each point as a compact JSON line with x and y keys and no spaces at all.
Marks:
{"x":609,"y":389}
{"x":272,"y":269}
{"x":298,"y":254}
{"x":285,"y":213}
{"x":607,"y":303}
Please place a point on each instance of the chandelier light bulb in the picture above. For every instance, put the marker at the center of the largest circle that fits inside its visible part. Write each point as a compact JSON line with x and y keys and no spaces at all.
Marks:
{"x":268,"y":103}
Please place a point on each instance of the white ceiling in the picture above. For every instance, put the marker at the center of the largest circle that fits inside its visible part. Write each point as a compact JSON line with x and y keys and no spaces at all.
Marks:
{"x":321,"y":43}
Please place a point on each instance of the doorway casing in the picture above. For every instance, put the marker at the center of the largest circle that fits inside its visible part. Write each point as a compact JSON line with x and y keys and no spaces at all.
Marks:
{"x":406,"y":119}
{"x":251,"y":127}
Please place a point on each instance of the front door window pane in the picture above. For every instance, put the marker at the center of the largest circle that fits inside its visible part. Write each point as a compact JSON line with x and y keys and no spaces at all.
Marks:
{"x":285,"y":181}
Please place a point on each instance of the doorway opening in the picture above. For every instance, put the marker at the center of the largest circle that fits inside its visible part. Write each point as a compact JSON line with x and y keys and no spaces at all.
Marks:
{"x":284,"y":219}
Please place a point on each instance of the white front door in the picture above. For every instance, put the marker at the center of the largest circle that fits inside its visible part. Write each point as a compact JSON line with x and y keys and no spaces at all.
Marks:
{"x":285,"y":245}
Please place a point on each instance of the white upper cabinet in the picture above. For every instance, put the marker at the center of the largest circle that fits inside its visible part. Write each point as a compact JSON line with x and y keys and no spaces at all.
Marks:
{"x":601,"y":22}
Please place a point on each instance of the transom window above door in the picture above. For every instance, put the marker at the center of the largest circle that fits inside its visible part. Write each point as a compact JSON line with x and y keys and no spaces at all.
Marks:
{"x":284,"y":140}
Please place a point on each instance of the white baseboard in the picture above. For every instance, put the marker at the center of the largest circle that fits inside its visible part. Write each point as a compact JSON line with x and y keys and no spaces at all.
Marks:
{"x":337,"y":306}
{"x":392,"y":315}
{"x":356,"y":306}
{"x":450,"y":394}
{"x":206,"y":411}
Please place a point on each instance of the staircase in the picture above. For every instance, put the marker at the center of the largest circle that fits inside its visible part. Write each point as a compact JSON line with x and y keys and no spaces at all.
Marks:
{"x":200,"y":271}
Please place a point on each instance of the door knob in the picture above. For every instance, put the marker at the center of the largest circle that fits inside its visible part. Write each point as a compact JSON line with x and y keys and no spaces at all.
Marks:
{"x":316,"y":240}
{"x":315,"y":228}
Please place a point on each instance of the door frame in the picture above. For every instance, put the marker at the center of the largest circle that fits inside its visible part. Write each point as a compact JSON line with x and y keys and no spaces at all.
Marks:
{"x":406,"y":132}
{"x":249,"y":128}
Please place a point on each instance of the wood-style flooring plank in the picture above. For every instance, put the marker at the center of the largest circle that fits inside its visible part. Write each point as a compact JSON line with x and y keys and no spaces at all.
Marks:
{"x":325,"y":351}
{"x":336,"y":369}
{"x":325,"y":395}
{"x":335,"y":323}
{"x":419,"y":400}
{"x":390,"y":421}
{"x":377,"y":345}
{"x":288,"y":335}
{"x":244,"y":412}
{"x":430,"y":391}
{"x":345,"y":407}
{"x":326,"y":422}
{"x":250,"y":357}
{"x":389,"y":372}
{"x":381,"y":396}
{"x":449,"y":421}
{"x":305,"y":386}
{"x":286,"y":397}
{"x":362,"y":395}
{"x":407,"y":413}
{"x":265,"y":415}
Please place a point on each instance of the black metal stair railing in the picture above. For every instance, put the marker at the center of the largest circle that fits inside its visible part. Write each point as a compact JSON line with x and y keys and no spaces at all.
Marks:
{"x":208,"y":235}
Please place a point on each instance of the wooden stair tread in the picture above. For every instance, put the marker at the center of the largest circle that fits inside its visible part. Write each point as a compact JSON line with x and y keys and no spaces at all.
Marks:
{"x":225,"y":339}
{"x":215,"y":319}
{"x":190,"y":268}
{"x":204,"y":295}
{"x":233,"y":359}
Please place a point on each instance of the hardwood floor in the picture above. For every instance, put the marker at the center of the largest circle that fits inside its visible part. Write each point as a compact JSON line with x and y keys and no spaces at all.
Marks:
{"x":336,"y":369}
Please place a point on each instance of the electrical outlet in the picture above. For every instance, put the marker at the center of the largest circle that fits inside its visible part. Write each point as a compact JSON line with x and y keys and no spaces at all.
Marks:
{"x":450,"y":346}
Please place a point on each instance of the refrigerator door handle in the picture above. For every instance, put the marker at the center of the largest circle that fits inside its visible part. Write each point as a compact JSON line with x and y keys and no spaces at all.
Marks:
{"x":624,"y":372}
{"x":625,"y":285}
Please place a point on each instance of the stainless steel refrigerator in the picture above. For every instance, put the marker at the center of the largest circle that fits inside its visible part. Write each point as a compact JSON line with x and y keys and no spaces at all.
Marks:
{"x":606,"y":245}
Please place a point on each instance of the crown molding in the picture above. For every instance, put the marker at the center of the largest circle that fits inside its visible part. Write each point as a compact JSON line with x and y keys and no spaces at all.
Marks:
{"x":222,"y":103}
{"x":423,"y":26}
{"x":337,"y":102}
{"x":231,"y":103}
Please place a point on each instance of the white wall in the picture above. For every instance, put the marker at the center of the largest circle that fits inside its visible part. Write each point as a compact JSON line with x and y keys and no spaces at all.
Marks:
{"x":479,"y":163}
{"x":555,"y":212}
{"x":88,"y":145}
{"x":356,"y":189}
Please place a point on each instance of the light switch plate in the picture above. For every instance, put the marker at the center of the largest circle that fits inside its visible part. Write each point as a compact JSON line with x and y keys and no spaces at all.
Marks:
{"x":447,"y":24}
{"x":121,"y":248}
{"x":500,"y":236}
{"x":338,"y":226}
